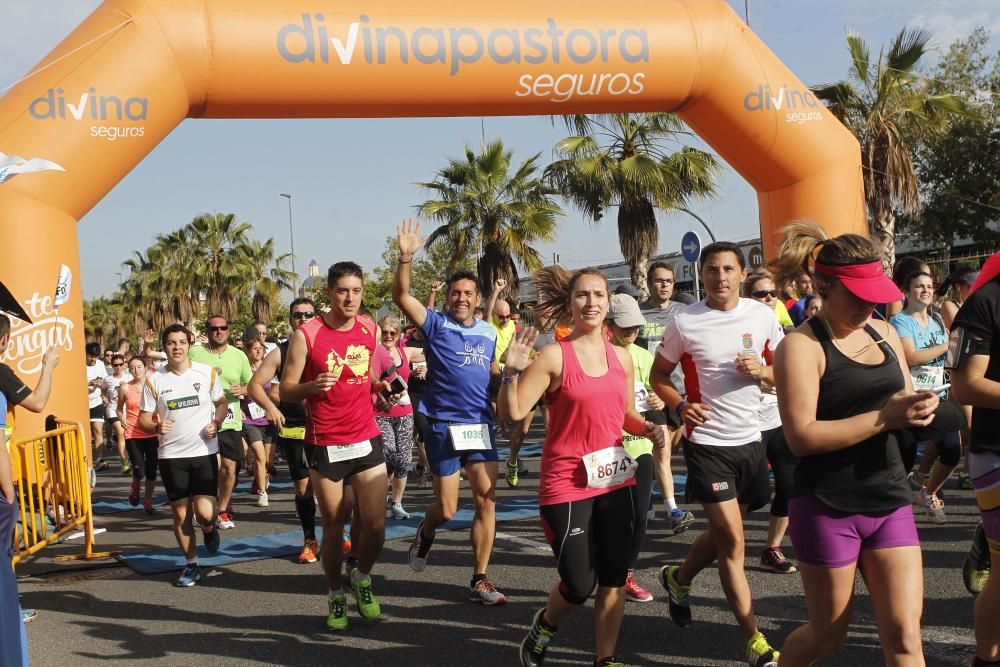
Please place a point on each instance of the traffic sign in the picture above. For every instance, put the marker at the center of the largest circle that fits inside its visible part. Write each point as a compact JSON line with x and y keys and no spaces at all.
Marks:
{"x":691,"y":247}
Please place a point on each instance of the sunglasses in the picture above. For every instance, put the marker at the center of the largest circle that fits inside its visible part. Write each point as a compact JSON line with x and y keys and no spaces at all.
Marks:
{"x":764,"y":293}
{"x":117,"y":365}
{"x":303,"y":316}
{"x":224,"y":327}
{"x":387,"y":332}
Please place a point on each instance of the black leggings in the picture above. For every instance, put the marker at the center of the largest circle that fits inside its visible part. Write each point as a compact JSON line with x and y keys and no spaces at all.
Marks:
{"x":782,"y":465}
{"x":586,"y":537}
{"x":641,"y":492}
{"x":142,"y":453}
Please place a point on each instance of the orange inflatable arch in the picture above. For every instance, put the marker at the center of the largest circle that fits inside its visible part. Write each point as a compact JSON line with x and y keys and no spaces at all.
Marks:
{"x":106,"y":96}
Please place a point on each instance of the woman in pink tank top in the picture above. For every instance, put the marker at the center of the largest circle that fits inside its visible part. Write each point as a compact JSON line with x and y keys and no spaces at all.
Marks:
{"x":584,"y":494}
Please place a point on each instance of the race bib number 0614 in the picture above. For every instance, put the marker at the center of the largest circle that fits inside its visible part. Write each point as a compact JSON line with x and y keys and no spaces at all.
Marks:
{"x":608,"y":467}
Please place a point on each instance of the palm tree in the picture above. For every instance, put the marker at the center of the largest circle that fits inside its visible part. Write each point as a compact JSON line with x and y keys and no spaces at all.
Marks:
{"x":889,"y":107}
{"x":216,"y":260}
{"x":486,"y":204}
{"x":623,"y":160}
{"x":268,"y":275}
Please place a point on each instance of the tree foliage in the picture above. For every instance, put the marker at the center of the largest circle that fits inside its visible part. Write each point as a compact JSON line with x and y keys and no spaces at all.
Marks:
{"x":960,"y":170}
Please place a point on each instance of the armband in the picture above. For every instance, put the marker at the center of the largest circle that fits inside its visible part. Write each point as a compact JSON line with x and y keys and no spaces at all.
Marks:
{"x":961,"y":346}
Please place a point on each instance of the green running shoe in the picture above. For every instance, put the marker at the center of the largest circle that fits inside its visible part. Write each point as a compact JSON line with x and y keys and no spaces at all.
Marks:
{"x":511,"y":474}
{"x":337,"y":618}
{"x":367,"y":604}
{"x":976,"y":569}
{"x":678,"y":602}
{"x":760,"y":653}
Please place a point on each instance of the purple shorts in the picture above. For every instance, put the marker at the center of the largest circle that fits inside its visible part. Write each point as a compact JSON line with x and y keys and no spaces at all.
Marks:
{"x":825,"y":537}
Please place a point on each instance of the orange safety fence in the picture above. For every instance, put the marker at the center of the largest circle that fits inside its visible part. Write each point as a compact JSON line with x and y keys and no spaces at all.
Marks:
{"x":53,"y":490}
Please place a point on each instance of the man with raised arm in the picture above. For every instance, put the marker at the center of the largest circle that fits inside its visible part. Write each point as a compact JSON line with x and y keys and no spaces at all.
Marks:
{"x":459,"y":349}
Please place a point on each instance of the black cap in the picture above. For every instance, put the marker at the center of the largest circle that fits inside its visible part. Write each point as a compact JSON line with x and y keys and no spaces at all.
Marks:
{"x":93,"y":349}
{"x":627,"y":288}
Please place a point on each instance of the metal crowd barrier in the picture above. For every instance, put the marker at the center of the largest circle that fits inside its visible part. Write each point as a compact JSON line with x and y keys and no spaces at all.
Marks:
{"x":53,"y":487}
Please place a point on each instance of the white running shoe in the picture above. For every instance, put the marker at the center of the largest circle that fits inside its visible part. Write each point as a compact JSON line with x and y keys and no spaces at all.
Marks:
{"x":933,"y":505}
{"x":262,"y":499}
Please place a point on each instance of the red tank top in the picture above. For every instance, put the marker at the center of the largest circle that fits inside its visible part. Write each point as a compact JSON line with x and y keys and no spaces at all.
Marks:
{"x":585,"y":415}
{"x":344,"y":415}
{"x":133,"y":399}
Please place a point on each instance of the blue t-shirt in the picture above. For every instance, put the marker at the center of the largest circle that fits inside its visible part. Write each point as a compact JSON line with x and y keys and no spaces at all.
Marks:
{"x":922,"y":337}
{"x":458,"y":369}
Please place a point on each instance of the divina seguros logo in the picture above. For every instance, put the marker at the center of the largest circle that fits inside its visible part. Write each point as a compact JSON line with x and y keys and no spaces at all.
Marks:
{"x":103,"y":110}
{"x":313,"y":40}
{"x":800,"y":104}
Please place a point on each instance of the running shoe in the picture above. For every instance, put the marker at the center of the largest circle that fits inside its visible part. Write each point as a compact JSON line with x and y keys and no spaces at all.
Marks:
{"x":388,"y":502}
{"x":190,"y":575}
{"x":399,"y":513}
{"x":485,"y":593}
{"x":345,"y":541}
{"x":226,"y":521}
{"x":126,"y":467}
{"x":421,"y":474}
{"x":932,"y":504}
{"x":773,"y":560}
{"x":147,"y":507}
{"x":536,"y":642}
{"x":511,"y":474}
{"x":419,"y":549}
{"x":28,"y":615}
{"x":262,"y":499}
{"x":92,"y":474}
{"x":609,"y":662}
{"x":212,"y":540}
{"x":964,"y":481}
{"x":976,"y":569}
{"x":678,"y":596}
{"x":680,"y":520}
{"x":101,"y":466}
{"x":759,"y":653}
{"x":336,"y":619}
{"x":635,"y":592}
{"x":310,"y":551}
{"x":362,"y":590}
{"x":133,"y":493}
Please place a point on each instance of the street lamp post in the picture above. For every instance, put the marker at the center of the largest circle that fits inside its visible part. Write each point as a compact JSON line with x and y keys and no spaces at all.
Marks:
{"x":291,"y":238}
{"x":699,"y":219}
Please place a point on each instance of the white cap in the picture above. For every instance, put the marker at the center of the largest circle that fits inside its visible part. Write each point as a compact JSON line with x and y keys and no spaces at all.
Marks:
{"x":624,"y":312}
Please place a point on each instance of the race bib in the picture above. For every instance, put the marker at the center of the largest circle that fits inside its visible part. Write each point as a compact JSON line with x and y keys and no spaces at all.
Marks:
{"x":338,"y":453}
{"x":470,"y":437}
{"x":230,"y":415}
{"x":641,"y":398}
{"x":608,"y":467}
{"x":256,"y":412}
{"x":927,"y":377}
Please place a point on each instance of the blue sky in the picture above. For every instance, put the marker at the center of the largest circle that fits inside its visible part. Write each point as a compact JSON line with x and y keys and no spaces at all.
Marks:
{"x":352,"y":180}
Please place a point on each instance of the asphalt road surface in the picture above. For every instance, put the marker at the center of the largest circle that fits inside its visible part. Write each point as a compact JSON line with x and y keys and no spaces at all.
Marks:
{"x":272,"y":612}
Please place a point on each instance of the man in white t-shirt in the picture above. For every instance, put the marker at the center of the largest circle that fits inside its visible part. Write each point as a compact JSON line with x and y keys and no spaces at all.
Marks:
{"x":720,"y":344}
{"x":96,"y":372}
{"x":184,"y":404}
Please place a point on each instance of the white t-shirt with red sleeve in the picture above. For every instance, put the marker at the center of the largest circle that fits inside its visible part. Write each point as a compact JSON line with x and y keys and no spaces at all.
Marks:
{"x":706,"y":342}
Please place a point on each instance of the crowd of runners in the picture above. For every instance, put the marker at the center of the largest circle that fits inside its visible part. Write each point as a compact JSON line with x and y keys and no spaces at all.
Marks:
{"x":860,"y":395}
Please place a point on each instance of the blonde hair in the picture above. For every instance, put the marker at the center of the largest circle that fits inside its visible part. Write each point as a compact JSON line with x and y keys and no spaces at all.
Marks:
{"x":555,"y":289}
{"x":391,"y":320}
{"x":803,"y":238}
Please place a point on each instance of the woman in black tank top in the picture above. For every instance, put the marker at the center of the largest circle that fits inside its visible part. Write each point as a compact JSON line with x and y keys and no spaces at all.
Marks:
{"x":842,"y":395}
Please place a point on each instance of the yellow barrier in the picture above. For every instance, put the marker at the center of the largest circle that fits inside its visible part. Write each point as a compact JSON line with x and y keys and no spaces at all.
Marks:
{"x":52,"y":481}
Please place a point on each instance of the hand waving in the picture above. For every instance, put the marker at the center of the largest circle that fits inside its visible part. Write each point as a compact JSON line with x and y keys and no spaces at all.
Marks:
{"x":518,"y":355}
{"x":409,"y":239}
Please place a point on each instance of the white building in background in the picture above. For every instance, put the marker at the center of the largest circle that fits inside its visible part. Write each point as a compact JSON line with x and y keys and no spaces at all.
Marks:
{"x":684,"y":272}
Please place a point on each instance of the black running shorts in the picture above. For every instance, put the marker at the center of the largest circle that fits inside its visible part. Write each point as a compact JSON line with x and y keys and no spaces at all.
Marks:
{"x":341,"y":470}
{"x":717,"y":474}
{"x":231,"y":445}
{"x":190,"y":477}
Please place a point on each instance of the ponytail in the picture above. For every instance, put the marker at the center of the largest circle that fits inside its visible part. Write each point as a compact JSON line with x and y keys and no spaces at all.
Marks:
{"x":555,"y":289}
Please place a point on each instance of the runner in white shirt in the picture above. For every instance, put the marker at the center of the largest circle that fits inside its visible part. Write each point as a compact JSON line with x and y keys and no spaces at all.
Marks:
{"x":720,"y":343}
{"x":184,"y":404}
{"x":96,"y":372}
{"x":112,"y":383}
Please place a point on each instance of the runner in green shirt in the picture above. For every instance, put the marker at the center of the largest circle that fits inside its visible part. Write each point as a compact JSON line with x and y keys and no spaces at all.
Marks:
{"x":234,"y":368}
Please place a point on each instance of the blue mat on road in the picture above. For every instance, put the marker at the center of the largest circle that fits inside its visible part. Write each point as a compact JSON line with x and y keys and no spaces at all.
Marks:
{"x":289,"y":543}
{"x":113,"y":506}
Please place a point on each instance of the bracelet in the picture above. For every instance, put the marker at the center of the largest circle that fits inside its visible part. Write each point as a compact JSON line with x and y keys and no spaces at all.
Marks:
{"x":507,"y":379}
{"x":681,"y":406}
{"x":405,"y":261}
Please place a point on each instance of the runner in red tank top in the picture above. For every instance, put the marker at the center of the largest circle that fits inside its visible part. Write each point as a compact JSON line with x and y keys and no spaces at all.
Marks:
{"x":329,"y":366}
{"x":584,"y":494}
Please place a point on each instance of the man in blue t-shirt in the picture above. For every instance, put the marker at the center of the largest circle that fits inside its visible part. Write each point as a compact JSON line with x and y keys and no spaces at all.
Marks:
{"x":456,"y":402}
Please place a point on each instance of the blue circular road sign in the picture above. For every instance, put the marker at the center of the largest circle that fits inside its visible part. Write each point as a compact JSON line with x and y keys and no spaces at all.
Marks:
{"x":691,"y":247}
